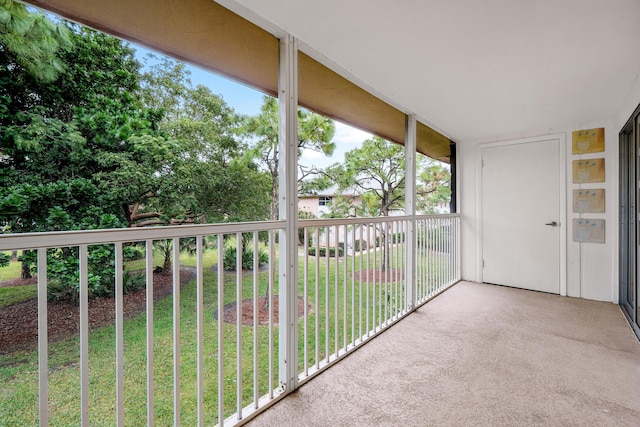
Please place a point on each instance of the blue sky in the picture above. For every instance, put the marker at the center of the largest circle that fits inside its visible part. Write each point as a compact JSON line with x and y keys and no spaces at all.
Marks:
{"x":247,"y":101}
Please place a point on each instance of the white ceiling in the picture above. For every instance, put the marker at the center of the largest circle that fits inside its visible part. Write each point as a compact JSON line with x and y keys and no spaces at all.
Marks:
{"x":476,"y":70}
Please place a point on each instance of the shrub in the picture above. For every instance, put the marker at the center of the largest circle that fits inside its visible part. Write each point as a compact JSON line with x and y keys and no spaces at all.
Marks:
{"x":392,"y":239}
{"x":132,"y":253}
{"x":229,"y":262}
{"x":323,"y":251}
{"x":4,"y":260}
{"x":133,"y":281}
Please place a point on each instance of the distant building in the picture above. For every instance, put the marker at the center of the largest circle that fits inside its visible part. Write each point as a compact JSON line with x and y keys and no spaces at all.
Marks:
{"x":320,"y":204}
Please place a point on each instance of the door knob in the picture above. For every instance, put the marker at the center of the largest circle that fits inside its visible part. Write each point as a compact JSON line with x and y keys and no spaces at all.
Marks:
{"x":552,"y":223}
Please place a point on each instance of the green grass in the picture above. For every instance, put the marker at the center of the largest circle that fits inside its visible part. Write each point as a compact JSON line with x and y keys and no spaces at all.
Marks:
{"x":16,"y":294}
{"x":12,"y":271}
{"x":18,"y":371}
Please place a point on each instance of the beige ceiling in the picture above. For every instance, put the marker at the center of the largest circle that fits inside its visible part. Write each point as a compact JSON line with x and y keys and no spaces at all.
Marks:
{"x":476,"y":70}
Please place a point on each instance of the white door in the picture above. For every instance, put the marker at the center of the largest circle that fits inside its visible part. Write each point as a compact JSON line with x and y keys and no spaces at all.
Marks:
{"x":521,"y":215}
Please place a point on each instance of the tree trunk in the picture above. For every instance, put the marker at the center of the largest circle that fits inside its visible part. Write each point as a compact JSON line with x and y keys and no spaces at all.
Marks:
{"x":166,"y":266}
{"x":384,"y":210}
{"x":274,"y":209}
{"x":26,"y":271}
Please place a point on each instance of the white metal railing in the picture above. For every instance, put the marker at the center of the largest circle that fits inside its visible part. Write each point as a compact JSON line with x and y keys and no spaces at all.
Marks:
{"x":355,"y":284}
{"x":199,"y":370}
{"x":437,"y":254}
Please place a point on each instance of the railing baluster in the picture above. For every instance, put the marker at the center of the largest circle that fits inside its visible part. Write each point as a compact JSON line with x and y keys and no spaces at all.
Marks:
{"x":149,"y":324}
{"x":272,"y":262}
{"x":360,"y":264}
{"x":317,"y":296}
{"x":376,"y":275}
{"x":421,"y":259}
{"x":443,"y":247}
{"x":458,"y":250}
{"x":368,"y":268}
{"x":396,"y":284}
{"x":84,"y":335}
{"x":200,"y":327}
{"x":306,"y":300}
{"x":43,"y":340}
{"x":221,"y":329}
{"x":353,"y":284}
{"x":256,"y":266}
{"x":433,"y":256}
{"x":450,"y":257}
{"x":344,"y":287}
{"x":119,"y":337}
{"x":176,"y":331}
{"x":327,"y":336}
{"x":387,"y":263}
{"x":239,"y":325}
{"x":335,"y":289}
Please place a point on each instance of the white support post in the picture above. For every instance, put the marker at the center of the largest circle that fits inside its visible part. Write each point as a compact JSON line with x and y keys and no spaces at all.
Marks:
{"x":410,"y":208}
{"x":288,"y":192}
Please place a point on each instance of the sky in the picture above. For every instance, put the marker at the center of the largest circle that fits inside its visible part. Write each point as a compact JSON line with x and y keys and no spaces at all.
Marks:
{"x":247,"y":101}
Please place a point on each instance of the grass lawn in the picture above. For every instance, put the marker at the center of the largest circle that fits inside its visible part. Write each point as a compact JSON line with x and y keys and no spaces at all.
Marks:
{"x":331,"y":301}
{"x":13,"y":295}
{"x":12,"y":271}
{"x":17,"y":294}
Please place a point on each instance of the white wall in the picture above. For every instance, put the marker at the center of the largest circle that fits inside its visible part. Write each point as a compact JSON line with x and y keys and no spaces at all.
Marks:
{"x":629,"y":105}
{"x":591,"y":268}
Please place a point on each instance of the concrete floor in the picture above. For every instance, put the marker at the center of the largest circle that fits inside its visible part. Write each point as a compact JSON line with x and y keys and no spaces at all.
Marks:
{"x":482,"y":355}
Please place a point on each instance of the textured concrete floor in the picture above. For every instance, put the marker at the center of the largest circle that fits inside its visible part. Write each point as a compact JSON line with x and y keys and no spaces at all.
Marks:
{"x":482,"y":355}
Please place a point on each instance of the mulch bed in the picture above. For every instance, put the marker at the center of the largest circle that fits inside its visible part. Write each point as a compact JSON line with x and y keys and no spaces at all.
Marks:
{"x":19,"y":322}
{"x":230,"y":311}
{"x":374,"y":275}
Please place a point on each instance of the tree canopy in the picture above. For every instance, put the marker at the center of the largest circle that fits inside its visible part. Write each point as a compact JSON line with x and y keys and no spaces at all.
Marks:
{"x":315,"y":133}
{"x":89,"y":139}
{"x":376,"y":171}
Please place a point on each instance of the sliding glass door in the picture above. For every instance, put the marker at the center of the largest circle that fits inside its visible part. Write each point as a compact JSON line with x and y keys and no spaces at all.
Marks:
{"x":629,"y":215}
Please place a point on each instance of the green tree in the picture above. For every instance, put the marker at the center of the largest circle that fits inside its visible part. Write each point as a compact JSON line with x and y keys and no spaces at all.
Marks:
{"x":376,"y":170}
{"x":212,"y":178}
{"x":30,"y":41}
{"x":79,"y":148}
{"x":433,"y":185}
{"x":315,"y":133}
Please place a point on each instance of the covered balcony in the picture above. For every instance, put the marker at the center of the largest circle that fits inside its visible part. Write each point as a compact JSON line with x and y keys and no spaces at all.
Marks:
{"x":518,"y":308}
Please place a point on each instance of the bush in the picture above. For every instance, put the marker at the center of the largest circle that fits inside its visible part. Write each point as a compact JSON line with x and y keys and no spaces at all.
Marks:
{"x":323,"y":251}
{"x":358,"y":245}
{"x":392,"y":239}
{"x":4,"y":260}
{"x":133,"y":282}
{"x":229,"y":262}
{"x":132,"y":253}
{"x":361,"y":245}
{"x":64,"y":274}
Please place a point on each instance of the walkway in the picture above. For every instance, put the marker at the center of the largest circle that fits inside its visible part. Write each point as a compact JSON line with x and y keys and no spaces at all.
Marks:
{"x":482,"y":355}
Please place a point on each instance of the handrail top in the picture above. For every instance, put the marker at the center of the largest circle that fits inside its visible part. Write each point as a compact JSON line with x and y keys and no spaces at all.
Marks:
{"x":52,"y":239}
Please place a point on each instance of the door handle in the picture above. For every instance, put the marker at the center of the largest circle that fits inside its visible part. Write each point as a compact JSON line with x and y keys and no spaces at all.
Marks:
{"x":552,"y":224}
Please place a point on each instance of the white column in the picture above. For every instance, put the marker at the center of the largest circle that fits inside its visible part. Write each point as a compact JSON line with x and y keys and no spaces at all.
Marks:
{"x":410,"y":209}
{"x":288,"y":191}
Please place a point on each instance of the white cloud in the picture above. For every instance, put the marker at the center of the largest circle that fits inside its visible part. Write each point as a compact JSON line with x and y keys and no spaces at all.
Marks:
{"x":346,"y":138}
{"x":311,"y":154}
{"x":346,"y":134}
